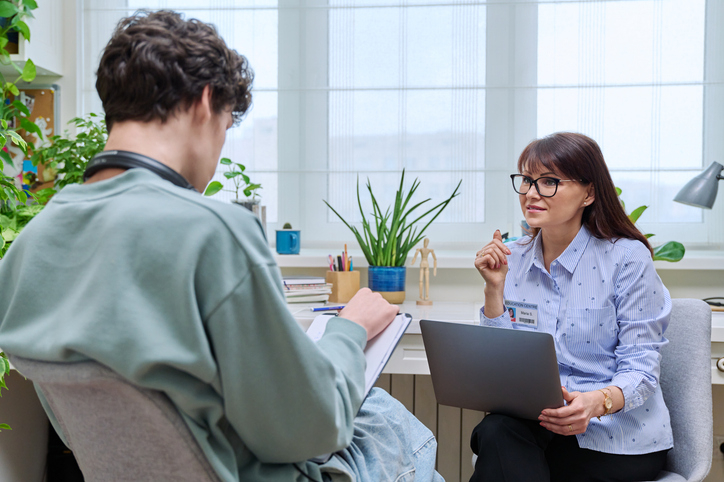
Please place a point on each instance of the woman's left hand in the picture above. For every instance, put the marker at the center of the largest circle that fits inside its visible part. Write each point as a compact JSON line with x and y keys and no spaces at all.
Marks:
{"x":574,"y":417}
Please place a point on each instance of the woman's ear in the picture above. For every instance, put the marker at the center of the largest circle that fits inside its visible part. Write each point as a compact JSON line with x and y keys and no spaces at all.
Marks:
{"x":590,"y":196}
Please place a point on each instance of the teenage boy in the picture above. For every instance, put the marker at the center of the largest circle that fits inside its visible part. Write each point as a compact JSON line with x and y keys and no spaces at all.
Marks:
{"x":181,"y":294}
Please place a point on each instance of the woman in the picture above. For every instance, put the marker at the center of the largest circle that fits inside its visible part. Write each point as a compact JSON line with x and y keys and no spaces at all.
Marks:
{"x":590,"y":274}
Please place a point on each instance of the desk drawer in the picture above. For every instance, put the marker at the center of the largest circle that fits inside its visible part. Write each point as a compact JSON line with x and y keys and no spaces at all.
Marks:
{"x":409,"y":357}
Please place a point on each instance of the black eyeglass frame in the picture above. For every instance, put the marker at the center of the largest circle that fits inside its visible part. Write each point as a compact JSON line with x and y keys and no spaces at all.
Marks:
{"x":534,"y":182}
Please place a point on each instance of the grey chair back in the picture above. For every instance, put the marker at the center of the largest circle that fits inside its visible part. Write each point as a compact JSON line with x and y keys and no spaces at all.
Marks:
{"x":686,"y":385}
{"x":116,"y":430}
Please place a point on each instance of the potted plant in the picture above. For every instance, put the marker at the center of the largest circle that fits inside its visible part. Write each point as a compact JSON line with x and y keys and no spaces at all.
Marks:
{"x":672,"y":251}
{"x":242,"y":182}
{"x":4,"y":370}
{"x":12,"y":119}
{"x":395,"y":233}
{"x":67,"y":158}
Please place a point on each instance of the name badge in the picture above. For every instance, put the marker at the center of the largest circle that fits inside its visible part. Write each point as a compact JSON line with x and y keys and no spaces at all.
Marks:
{"x":523,"y":313}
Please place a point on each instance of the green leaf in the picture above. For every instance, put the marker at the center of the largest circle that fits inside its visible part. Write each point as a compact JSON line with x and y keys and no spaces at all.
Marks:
{"x":636,"y":214}
{"x":232,"y":174}
{"x":17,"y":140}
{"x":23,"y":29}
{"x":29,"y":71}
{"x":672,"y":251}
{"x":31,"y":4}
{"x":21,"y":107}
{"x":12,"y":88}
{"x":4,"y":123}
{"x":4,"y":154}
{"x":618,"y":191}
{"x":5,"y":426}
{"x":8,"y":9}
{"x":30,"y":126}
{"x":250,"y":189}
{"x":3,"y":42}
{"x":213,"y":188}
{"x":225,"y":161}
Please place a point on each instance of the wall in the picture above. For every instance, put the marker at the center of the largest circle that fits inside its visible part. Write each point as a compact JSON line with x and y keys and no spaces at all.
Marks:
{"x":67,"y":82}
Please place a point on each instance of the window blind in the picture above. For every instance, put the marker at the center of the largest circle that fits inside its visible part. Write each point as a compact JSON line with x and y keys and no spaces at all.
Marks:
{"x":451,"y":90}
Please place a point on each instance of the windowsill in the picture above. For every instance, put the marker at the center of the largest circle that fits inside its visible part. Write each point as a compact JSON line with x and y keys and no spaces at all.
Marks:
{"x":452,"y":259}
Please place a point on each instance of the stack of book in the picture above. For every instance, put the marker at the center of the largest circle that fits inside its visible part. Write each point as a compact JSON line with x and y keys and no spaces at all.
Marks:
{"x":306,"y":289}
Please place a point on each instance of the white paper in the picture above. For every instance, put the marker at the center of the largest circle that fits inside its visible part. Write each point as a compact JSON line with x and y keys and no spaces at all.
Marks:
{"x":378,"y":350}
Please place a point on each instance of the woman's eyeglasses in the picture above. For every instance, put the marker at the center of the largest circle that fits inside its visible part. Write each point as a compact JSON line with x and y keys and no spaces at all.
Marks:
{"x":546,"y":186}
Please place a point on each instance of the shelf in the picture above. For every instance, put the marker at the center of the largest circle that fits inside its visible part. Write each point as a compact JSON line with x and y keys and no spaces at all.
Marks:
{"x":451,"y":259}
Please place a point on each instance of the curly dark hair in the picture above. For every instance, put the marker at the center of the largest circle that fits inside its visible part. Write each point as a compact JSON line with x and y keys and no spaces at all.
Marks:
{"x":157,"y":63}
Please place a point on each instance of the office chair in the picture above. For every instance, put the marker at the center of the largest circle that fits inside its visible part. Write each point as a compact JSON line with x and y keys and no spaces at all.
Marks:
{"x":686,"y":384}
{"x":116,"y":430}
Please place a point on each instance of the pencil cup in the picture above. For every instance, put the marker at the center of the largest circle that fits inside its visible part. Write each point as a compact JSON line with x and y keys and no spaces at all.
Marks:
{"x":344,"y":285}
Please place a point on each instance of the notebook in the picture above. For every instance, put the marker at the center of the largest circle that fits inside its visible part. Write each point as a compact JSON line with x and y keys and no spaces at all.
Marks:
{"x":378,"y":350}
{"x":508,"y":371}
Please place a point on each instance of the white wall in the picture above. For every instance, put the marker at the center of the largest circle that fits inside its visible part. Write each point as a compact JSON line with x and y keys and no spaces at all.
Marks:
{"x":66,"y":43}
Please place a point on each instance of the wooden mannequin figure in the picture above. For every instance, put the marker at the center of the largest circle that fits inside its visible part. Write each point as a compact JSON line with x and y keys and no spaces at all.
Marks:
{"x":425,"y":271}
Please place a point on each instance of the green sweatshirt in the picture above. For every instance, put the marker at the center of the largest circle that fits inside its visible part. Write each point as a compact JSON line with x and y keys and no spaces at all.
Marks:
{"x":180,"y":293}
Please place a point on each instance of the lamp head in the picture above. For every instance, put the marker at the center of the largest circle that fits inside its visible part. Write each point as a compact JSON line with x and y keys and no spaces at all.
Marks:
{"x":701,"y":190}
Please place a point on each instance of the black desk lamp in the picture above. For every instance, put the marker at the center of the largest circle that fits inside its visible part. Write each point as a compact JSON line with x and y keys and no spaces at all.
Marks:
{"x":701,"y":191}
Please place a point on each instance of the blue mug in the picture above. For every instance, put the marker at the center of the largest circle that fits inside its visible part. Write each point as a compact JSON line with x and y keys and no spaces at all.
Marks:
{"x":288,"y":241}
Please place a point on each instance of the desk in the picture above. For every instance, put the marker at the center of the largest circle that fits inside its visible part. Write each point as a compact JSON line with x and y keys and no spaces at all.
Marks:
{"x":409,"y":357}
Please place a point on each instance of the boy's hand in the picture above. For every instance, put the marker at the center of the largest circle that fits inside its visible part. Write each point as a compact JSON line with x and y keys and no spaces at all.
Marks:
{"x":370,"y":311}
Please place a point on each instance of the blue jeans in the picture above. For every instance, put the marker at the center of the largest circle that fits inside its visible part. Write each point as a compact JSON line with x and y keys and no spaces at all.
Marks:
{"x":389,"y":444}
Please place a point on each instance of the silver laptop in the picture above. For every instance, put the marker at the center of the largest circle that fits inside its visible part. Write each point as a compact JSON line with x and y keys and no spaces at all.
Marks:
{"x":513,"y":372}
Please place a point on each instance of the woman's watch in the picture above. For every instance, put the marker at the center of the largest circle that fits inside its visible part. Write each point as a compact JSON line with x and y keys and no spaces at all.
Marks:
{"x":607,"y":403}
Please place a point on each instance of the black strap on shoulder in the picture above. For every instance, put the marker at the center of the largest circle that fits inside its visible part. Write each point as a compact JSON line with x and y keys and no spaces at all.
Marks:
{"x":132,"y":160}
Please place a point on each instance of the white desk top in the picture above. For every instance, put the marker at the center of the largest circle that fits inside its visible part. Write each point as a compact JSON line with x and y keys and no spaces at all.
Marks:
{"x":452,"y":311}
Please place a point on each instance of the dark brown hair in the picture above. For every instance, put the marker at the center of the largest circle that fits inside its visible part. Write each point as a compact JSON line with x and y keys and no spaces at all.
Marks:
{"x":157,"y":63}
{"x":576,"y":156}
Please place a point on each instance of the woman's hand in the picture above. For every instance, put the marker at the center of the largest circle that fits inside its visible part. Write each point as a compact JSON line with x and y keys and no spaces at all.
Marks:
{"x":574,"y":417}
{"x":492,"y":261}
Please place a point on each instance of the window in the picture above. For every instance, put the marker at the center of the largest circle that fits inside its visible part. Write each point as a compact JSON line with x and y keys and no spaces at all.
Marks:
{"x":454,"y":89}
{"x":250,"y":27}
{"x":632,"y":76}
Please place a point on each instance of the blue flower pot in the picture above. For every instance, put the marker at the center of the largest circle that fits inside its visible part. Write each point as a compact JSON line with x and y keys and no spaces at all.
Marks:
{"x":389,"y":281}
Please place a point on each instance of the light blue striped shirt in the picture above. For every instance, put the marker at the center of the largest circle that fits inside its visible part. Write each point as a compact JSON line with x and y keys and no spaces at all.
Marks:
{"x":607,"y":310}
